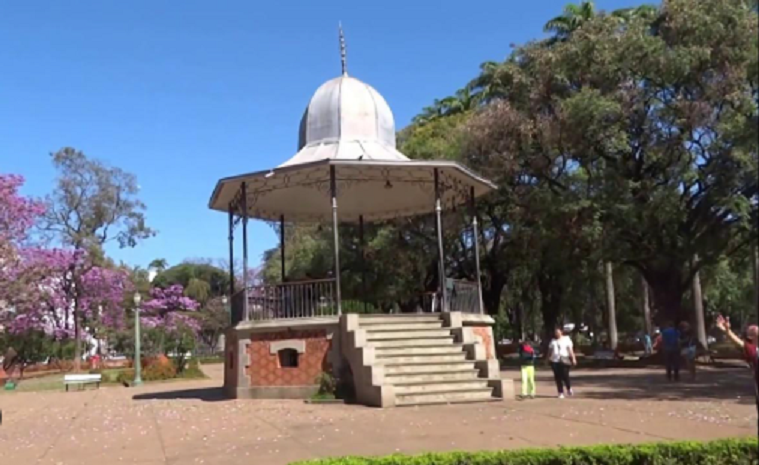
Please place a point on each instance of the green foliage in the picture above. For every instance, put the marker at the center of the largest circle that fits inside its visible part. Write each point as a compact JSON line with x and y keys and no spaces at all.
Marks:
{"x":192,"y":371}
{"x":125,"y":376}
{"x":203,"y":280}
{"x":327,"y":384}
{"x":731,"y":451}
{"x":178,"y":343}
{"x":31,"y":347}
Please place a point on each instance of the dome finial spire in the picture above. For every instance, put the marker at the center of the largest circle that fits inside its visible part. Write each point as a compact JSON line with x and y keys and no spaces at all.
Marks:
{"x":342,"y":49}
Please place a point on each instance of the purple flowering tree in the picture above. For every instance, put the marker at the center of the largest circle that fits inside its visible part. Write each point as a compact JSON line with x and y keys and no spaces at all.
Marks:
{"x":173,"y":322}
{"x":169,"y":308}
{"x":38,"y":284}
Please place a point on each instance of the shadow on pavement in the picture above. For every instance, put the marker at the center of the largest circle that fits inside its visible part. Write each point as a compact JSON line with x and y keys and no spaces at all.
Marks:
{"x":212,"y":394}
{"x":729,"y":385}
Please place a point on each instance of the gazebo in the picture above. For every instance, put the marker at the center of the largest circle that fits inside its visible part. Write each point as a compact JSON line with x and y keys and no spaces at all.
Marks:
{"x":347,"y":169}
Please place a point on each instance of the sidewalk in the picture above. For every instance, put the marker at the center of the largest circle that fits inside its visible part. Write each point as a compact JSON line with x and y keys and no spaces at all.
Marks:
{"x":190,"y":422}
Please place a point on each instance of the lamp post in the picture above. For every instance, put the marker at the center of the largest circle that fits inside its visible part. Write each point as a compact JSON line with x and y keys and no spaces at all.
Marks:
{"x":137,"y":353}
{"x":224,"y":302}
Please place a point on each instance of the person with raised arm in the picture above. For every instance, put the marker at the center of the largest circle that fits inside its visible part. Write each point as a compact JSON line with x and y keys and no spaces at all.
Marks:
{"x":748,"y":345}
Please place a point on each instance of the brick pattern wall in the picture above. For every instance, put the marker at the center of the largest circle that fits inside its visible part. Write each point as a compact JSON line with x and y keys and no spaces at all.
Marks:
{"x":486,"y":335}
{"x":265,"y":370}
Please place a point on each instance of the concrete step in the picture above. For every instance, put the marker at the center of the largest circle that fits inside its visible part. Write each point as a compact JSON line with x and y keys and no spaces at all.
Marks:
{"x":443,"y":386}
{"x":407,"y":318}
{"x":401,"y":326}
{"x":412,"y":342}
{"x":407,"y":334}
{"x":426,"y":358}
{"x":444,"y":349}
{"x":424,"y":367}
{"x":432,"y":377}
{"x":449,"y":397}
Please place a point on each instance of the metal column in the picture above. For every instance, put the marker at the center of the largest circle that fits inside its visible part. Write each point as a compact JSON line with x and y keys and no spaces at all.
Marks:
{"x":231,"y":237}
{"x":282,"y":245}
{"x":441,"y":253}
{"x":336,"y":235}
{"x":476,"y":244}
{"x":244,"y":207}
{"x":363,"y":259}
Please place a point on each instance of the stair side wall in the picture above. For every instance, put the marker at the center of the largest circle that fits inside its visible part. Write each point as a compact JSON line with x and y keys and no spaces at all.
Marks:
{"x":368,"y":379}
{"x":475,"y":331}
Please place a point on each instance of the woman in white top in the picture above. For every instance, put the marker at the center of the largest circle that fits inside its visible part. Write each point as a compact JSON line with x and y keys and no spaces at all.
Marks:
{"x":562,"y":357}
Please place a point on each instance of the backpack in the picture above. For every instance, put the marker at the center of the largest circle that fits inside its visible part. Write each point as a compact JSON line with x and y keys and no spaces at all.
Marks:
{"x":526,"y":351}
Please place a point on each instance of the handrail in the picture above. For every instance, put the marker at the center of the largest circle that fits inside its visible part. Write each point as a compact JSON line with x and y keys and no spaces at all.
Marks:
{"x":304,"y":299}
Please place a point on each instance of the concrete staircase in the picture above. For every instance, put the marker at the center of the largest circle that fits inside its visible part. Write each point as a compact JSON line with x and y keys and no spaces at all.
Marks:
{"x":401,"y":360}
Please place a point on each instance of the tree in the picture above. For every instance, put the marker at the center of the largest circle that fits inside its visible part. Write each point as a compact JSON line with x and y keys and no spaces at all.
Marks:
{"x":573,"y":17}
{"x":172,"y":317}
{"x":201,"y":281}
{"x":17,"y":216}
{"x":214,"y":319}
{"x":159,"y":264}
{"x":92,"y":205}
{"x":669,"y":150}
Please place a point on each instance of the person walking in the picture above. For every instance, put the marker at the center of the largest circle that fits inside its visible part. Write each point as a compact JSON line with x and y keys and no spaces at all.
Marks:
{"x":670,"y":341}
{"x":648,"y":347}
{"x":527,"y":363}
{"x":689,"y":346}
{"x":562,"y":356}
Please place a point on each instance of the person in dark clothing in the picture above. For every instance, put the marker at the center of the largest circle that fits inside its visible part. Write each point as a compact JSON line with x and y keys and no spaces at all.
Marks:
{"x":670,"y":339}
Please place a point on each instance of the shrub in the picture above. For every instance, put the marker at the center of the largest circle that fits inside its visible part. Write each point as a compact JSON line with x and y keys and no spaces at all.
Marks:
{"x":722,"y":452}
{"x":192,"y":371}
{"x":327,"y":384}
{"x":125,"y":376}
{"x":159,"y":371}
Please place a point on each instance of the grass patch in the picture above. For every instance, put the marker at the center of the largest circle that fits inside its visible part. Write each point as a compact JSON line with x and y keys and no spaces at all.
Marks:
{"x":323,"y":396}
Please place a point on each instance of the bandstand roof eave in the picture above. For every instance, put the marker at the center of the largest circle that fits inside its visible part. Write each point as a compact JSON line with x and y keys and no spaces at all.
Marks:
{"x":236,"y":181}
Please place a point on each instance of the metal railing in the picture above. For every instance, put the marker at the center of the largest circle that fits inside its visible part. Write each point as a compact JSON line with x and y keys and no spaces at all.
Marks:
{"x":305,"y":299}
{"x":463,"y":296}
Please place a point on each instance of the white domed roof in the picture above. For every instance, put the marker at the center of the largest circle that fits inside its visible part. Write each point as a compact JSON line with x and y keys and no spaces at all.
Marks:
{"x":346,"y":119}
{"x":346,"y":108}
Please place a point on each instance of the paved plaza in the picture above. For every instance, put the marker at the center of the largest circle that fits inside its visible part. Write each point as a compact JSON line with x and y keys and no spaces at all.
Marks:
{"x":190,"y":422}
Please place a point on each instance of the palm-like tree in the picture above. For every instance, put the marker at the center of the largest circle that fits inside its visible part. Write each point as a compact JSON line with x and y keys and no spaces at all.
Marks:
{"x":488,"y":84}
{"x":646,"y":12}
{"x":159,"y":264}
{"x":573,"y":18}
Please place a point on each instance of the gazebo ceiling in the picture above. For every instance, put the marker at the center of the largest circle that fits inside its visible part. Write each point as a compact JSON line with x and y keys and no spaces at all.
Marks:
{"x":376,"y":190}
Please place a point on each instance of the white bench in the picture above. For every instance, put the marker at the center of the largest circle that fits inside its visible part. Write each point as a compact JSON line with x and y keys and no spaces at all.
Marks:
{"x":81,"y":380}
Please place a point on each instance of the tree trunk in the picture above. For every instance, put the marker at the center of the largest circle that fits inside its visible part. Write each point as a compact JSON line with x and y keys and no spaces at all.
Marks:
{"x":698,"y":308}
{"x":551,"y":294}
{"x":667,"y":292}
{"x":491,"y":295}
{"x":77,"y":337}
{"x":611,"y":307}
{"x":519,"y":321}
{"x":646,"y":306}
{"x":756,"y":282}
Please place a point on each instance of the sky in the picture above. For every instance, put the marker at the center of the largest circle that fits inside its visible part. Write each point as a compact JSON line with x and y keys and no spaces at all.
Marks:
{"x":182,"y":93}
